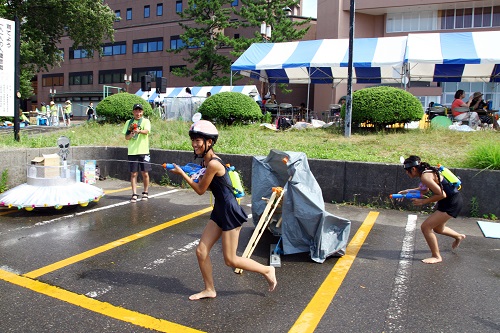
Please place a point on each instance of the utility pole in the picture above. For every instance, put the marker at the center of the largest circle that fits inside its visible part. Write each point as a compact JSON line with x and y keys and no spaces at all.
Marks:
{"x":348,"y":109}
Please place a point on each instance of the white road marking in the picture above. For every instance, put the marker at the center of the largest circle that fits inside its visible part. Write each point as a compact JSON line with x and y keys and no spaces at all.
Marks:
{"x":83,"y":213}
{"x":182,"y":250}
{"x":399,"y":296}
{"x":98,"y":292}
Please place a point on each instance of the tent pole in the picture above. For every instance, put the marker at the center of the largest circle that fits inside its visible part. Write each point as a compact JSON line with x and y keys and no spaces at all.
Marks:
{"x":308,"y":92}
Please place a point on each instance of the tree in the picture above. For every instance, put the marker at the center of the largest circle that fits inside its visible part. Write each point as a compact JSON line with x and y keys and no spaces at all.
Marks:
{"x":211,"y":52}
{"x":204,"y":41}
{"x":44,"y":22}
{"x":276,"y":14}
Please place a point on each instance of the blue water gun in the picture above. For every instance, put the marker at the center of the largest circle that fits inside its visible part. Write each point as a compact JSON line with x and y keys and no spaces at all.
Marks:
{"x":409,"y":195}
{"x":191,"y":169}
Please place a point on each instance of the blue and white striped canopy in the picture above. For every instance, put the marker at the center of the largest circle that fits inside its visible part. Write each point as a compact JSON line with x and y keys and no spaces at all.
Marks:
{"x":454,"y":57}
{"x":197,"y":92}
{"x":375,"y":60}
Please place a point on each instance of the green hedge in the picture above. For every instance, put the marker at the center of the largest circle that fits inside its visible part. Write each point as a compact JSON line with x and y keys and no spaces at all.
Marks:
{"x":382,"y":106}
{"x":230,"y":107}
{"x":117,"y":108}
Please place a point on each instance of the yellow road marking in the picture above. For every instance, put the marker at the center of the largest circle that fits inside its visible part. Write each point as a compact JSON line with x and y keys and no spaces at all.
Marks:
{"x":119,"y":190}
{"x":314,"y":311}
{"x":87,"y":254}
{"x":107,"y":309}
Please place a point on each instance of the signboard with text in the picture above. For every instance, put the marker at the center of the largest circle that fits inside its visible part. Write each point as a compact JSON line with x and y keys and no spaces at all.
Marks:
{"x":7,"y":68}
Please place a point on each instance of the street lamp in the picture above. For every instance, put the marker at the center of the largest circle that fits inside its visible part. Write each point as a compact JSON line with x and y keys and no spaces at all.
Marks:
{"x":265,"y":31}
{"x":52,"y":93}
{"x":127,"y":79}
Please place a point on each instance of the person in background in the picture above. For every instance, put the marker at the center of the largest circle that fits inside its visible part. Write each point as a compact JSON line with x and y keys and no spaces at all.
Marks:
{"x":479,"y":105}
{"x":272,"y":100}
{"x":136,"y":132}
{"x":54,"y":117}
{"x":23,"y":119}
{"x":227,"y":215}
{"x":90,"y":111}
{"x":43,"y":110}
{"x":448,"y":201}
{"x":473,"y":117}
{"x":209,"y":94}
{"x":67,"y":113}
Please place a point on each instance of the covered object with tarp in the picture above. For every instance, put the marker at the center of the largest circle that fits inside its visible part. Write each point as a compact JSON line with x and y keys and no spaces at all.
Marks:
{"x":306,"y":226}
{"x":180,"y":105}
{"x":454,"y":57}
{"x":375,"y":60}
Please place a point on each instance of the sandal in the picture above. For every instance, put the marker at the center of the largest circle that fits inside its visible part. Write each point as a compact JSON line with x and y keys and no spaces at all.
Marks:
{"x":145,"y":196}
{"x":134,"y":198}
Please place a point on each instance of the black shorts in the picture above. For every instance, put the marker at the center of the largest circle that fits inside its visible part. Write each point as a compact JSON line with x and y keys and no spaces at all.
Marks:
{"x":67,"y":115}
{"x":139,"y":162}
{"x":451,"y":205}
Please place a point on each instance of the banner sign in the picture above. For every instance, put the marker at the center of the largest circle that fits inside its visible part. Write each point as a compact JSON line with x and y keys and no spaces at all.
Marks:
{"x":7,"y":68}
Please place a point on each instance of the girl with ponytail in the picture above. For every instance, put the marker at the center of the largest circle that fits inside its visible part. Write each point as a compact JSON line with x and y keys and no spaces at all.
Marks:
{"x":448,"y":204}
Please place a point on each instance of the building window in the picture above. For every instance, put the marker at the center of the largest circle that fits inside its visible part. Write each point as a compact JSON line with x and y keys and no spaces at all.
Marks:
{"x":236,"y":36}
{"x":129,"y":14}
{"x":52,"y":80}
{"x":148,"y":45}
{"x":234,"y":3}
{"x":176,"y":42}
{"x":146,"y":11}
{"x":81,"y":78}
{"x":117,"y":15}
{"x":159,"y":9}
{"x":449,"y":19}
{"x":111,"y":49}
{"x":79,"y":53}
{"x":155,"y":72}
{"x":111,"y":76}
{"x":178,"y":6}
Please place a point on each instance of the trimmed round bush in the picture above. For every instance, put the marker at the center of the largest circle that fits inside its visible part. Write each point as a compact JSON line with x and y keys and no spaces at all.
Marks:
{"x":382,"y":106}
{"x":117,"y":108}
{"x":230,"y":107}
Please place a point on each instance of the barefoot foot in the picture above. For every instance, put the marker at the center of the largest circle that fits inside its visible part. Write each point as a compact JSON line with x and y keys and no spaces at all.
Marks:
{"x":457,"y":241}
{"x":271,"y":278}
{"x":432,"y":260}
{"x":203,"y":294}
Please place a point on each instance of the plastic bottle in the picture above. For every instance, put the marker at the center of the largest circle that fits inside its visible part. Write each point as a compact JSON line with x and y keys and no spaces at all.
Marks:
{"x":449,"y":176}
{"x":78,"y":175}
{"x":32,"y":171}
{"x":236,"y":182}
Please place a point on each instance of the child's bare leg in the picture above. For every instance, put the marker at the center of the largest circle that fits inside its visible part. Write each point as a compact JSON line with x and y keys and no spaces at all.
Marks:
{"x":210,"y":235}
{"x":229,"y":246}
{"x":444,"y":230}
{"x":435,"y":220}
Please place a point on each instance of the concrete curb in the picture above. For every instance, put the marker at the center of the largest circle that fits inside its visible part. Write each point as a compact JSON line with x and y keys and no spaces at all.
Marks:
{"x":340,"y":181}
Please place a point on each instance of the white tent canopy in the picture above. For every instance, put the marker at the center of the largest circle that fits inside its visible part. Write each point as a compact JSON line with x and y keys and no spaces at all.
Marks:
{"x":376,"y":60}
{"x":179,"y":105}
{"x":438,"y":57}
{"x":175,"y":92}
{"x":454,"y":57}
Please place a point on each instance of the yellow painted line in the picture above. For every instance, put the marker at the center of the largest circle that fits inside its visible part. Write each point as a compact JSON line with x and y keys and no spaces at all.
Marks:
{"x":314,"y":311}
{"x":119,"y":190}
{"x":107,"y":309}
{"x":87,"y":254}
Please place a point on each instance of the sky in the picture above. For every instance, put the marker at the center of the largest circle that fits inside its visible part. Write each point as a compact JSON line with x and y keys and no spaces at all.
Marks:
{"x":309,"y":8}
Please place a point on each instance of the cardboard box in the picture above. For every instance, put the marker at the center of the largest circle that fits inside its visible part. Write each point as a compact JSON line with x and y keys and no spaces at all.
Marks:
{"x":89,"y":171}
{"x":33,"y":121}
{"x":48,"y":166}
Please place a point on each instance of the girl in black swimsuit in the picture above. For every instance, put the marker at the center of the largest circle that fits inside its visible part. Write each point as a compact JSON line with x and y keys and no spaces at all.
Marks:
{"x":227,"y":216}
{"x":449,"y":203}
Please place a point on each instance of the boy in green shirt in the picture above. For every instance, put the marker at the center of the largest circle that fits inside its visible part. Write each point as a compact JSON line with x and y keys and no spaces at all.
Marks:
{"x":137,"y":133}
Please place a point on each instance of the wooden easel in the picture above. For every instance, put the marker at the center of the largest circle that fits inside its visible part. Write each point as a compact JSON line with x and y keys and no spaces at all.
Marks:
{"x":272,"y":204}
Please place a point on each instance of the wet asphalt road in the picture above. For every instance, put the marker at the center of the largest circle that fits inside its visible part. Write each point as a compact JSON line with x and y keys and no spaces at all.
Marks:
{"x":119,"y":267}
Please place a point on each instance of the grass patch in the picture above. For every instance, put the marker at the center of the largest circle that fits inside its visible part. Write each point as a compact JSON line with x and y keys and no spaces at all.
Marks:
{"x":451,"y":148}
